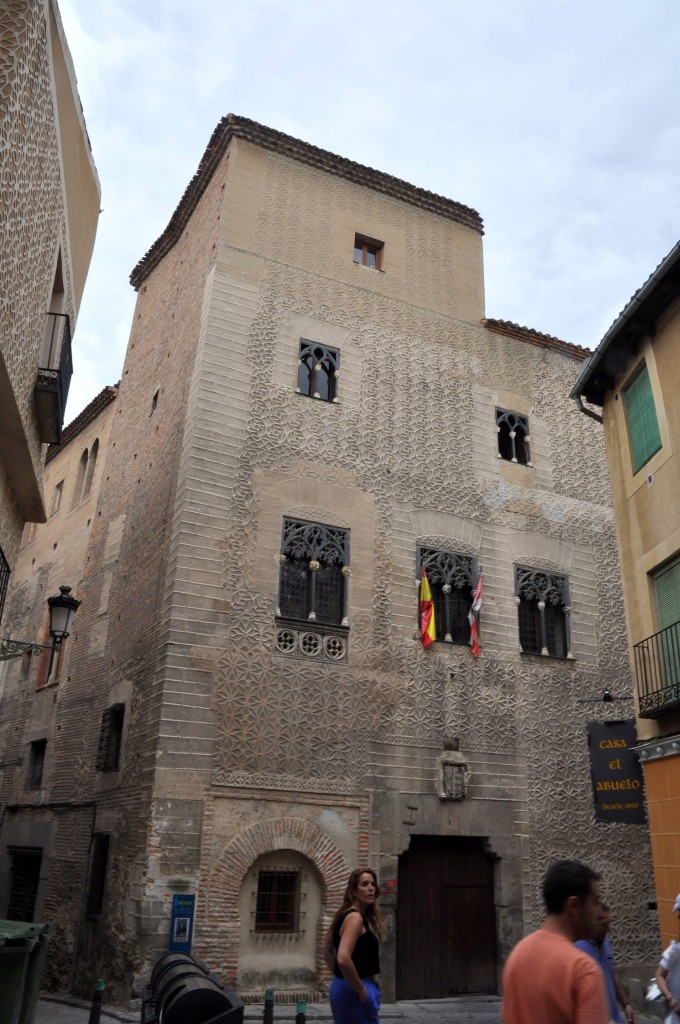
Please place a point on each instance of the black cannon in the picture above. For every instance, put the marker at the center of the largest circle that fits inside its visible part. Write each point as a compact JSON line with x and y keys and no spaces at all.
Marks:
{"x":182,"y":990}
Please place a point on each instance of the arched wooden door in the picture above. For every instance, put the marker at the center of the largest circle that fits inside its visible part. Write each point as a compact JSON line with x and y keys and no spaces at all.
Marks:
{"x":446,"y":919}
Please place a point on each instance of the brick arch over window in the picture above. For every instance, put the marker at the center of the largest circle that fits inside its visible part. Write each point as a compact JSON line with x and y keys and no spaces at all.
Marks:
{"x":218,"y":918}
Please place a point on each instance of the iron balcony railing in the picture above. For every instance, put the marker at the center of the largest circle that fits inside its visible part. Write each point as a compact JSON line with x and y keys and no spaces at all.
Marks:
{"x":657,"y":669}
{"x":54,"y":379}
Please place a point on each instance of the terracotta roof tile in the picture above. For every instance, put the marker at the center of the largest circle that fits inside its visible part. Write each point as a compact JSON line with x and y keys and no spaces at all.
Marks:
{"x":83,"y":419}
{"x":241,"y":127}
{"x":536,"y":338}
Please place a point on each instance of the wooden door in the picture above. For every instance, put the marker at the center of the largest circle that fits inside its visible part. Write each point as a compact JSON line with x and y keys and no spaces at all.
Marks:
{"x":446,"y":920}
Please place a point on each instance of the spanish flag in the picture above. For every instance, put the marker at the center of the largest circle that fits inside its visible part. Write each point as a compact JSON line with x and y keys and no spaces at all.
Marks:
{"x":472,"y":618}
{"x":428,"y":631}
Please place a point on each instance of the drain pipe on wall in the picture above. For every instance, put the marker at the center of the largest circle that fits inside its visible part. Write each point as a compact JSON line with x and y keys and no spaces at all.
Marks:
{"x":587,"y":412}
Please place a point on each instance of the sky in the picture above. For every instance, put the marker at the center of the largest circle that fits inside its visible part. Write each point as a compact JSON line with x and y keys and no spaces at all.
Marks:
{"x":557,"y":120}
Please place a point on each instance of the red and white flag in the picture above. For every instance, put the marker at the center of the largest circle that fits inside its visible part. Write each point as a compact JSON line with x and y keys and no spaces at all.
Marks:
{"x":472,"y":618}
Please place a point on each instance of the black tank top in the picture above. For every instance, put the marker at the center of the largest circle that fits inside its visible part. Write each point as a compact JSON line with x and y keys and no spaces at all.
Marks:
{"x":366,"y":953}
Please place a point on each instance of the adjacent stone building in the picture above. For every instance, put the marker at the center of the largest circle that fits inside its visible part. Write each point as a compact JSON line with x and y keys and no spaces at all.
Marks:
{"x":49,"y":208}
{"x":633,"y":378}
{"x":313,"y":407}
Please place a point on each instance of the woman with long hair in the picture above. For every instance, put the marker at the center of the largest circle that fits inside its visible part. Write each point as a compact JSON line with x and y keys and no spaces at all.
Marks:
{"x":351,"y":951}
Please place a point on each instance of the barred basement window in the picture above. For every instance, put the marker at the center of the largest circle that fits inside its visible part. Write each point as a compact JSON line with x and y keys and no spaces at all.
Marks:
{"x":452,"y":580}
{"x":98,"y":866}
{"x":278,"y":901}
{"x":4,"y":580}
{"x":110,"y":738}
{"x":543,"y":608}
{"x":513,"y":437}
{"x":314,"y":573}
{"x":24,"y":883}
{"x":36,"y":763}
{"x":318,"y":371}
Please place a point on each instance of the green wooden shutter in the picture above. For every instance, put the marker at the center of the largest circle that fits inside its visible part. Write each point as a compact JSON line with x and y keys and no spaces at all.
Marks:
{"x":667,"y":592}
{"x":643,"y":428}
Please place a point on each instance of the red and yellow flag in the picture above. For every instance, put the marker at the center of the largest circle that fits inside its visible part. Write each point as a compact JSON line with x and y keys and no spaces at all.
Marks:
{"x":428,"y":631}
{"x":472,"y":619}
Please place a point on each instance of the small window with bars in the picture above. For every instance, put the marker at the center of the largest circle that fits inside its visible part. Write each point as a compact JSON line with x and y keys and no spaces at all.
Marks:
{"x":4,"y":580}
{"x":513,"y":437}
{"x":98,"y":869}
{"x":318,"y":371}
{"x":314,"y":572}
{"x":278,"y":901}
{"x":110,"y":739}
{"x":36,"y":764}
{"x":643,"y":426}
{"x":543,"y":608}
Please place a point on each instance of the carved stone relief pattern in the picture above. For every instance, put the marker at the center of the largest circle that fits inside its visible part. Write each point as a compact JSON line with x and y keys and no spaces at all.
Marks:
{"x":285,"y":724}
{"x":31,"y":203}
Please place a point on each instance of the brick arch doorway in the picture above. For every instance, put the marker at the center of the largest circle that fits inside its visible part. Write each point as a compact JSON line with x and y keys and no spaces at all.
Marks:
{"x":446,"y":919}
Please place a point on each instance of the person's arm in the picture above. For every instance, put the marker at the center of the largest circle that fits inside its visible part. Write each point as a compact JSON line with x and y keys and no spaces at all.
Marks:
{"x":591,"y":997}
{"x":351,"y":929}
{"x":661,"y":975}
{"x":328,"y":950}
{"x":622,"y":996}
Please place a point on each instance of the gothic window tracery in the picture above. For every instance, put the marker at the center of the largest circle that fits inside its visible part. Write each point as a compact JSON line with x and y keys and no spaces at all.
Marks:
{"x":543,"y":607}
{"x":452,"y":579}
{"x":513,"y":437}
{"x":318,"y":371}
{"x":314,"y":573}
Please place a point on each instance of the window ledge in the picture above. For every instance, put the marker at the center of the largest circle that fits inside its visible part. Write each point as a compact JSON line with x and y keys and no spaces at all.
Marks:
{"x":549,"y":657}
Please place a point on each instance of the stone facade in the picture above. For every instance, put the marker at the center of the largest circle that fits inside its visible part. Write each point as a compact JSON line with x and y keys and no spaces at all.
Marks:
{"x":247,"y":752}
{"x":49,"y":207}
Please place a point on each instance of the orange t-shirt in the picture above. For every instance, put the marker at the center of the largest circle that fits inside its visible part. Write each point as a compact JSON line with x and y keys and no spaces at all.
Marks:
{"x":547,"y":980}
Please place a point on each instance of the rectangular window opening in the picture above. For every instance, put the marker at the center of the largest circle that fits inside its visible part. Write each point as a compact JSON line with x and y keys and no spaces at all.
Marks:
{"x":643,"y":426}
{"x":110,"y":739}
{"x":98,"y":868}
{"x":368,"y":252}
{"x":278,"y":901}
{"x":24,"y":883}
{"x":36,"y":763}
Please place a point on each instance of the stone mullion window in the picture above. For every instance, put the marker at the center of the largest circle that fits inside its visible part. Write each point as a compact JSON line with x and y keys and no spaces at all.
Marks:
{"x":452,"y":580}
{"x":544,"y":612}
{"x":314,"y":573}
{"x":513,"y":437}
{"x":318,"y":371}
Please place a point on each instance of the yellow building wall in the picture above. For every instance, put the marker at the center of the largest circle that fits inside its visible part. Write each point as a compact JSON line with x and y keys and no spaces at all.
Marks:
{"x":662,"y":781}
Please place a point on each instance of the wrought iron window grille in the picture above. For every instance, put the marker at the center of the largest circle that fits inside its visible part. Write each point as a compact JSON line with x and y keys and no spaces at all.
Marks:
{"x":314,"y":574}
{"x":110,"y":739}
{"x":278,"y":901}
{"x":4,"y":580}
{"x":513,"y":437}
{"x":544,"y":613}
{"x":452,"y":579}
{"x":657,"y":671}
{"x":318,"y":371}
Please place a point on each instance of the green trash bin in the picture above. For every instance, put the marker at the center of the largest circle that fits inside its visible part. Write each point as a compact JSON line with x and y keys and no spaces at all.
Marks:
{"x":23,"y":951}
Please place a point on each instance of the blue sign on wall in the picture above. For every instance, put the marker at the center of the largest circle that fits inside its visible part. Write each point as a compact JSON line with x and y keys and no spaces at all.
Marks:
{"x":182,"y":924}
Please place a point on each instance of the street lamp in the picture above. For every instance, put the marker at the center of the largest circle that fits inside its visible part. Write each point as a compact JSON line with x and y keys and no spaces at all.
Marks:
{"x":62,"y":607}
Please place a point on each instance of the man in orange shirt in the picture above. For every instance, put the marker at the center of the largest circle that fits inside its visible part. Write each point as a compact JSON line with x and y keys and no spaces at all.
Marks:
{"x":546,"y":979}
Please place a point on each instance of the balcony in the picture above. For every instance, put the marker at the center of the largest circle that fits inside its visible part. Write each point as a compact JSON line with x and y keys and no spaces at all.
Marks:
{"x":51,"y":387}
{"x":657,"y":669}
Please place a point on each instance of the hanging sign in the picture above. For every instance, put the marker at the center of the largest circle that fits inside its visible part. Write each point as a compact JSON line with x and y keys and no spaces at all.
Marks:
{"x":182,"y":923}
{"x":616,"y":774}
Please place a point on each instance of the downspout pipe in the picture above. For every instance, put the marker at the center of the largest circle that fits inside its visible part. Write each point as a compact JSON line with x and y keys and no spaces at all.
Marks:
{"x":588,"y":412}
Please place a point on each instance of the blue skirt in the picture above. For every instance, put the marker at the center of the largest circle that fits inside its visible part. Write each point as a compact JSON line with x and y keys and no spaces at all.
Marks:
{"x":346,"y":1006}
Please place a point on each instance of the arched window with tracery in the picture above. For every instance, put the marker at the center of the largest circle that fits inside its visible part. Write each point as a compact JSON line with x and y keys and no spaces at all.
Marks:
{"x":314,"y":573}
{"x":91,"y":463}
{"x":80,"y":478}
{"x":452,"y":579}
{"x":513,"y":437}
{"x":318,"y":371}
{"x":544,"y":608}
